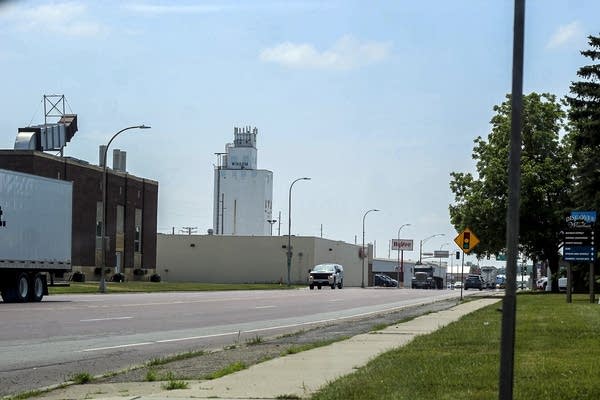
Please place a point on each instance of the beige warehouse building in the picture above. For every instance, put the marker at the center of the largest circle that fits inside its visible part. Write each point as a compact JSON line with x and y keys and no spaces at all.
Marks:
{"x":253,"y":259}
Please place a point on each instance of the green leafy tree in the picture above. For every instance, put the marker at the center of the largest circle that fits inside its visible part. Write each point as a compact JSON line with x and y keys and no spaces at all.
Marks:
{"x":584,"y":120}
{"x":481,"y":200}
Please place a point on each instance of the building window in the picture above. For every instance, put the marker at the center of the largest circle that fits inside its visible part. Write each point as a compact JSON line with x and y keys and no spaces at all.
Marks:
{"x":98,"y":219}
{"x":137,"y":241}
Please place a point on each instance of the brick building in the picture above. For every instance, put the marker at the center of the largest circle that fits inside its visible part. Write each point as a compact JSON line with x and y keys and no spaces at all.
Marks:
{"x":131,"y":211}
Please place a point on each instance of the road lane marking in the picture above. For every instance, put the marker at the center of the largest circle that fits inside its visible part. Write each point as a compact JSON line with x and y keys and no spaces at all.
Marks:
{"x":227,"y":333}
{"x":121,"y":346}
{"x":334,"y":300}
{"x":197,"y":337}
{"x":104,"y":319}
{"x":263,"y":307}
{"x":293,"y":325}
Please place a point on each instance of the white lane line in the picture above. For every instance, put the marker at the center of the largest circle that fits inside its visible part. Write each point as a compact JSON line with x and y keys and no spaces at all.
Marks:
{"x":121,"y":346}
{"x":104,"y":319}
{"x":263,"y":307}
{"x":334,"y":300}
{"x":383,"y":311}
{"x":197,"y":337}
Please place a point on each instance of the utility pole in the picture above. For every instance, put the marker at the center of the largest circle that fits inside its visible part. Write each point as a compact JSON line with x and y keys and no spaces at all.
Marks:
{"x":279,"y":225}
{"x":219,"y":206}
{"x":189,"y":229}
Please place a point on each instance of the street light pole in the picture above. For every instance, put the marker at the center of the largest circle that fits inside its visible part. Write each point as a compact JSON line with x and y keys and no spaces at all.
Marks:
{"x":421,"y":245}
{"x":400,"y":261}
{"x":271,"y":222}
{"x":362,"y":285}
{"x":441,"y":247}
{"x":102,"y":288}
{"x":289,"y":246}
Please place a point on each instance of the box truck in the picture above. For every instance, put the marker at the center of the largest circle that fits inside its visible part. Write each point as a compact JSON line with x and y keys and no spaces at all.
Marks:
{"x":35,"y":234}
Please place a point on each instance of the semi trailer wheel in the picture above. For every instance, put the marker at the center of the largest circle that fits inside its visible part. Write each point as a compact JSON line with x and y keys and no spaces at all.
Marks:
{"x":37,"y":288}
{"x":23,"y":288}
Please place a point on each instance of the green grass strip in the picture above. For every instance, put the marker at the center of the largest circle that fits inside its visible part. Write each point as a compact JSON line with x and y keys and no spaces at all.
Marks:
{"x":230,"y":369}
{"x":557,"y":356}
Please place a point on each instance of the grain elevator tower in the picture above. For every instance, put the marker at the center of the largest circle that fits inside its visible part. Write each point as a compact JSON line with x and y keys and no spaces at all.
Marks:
{"x":243,"y":194}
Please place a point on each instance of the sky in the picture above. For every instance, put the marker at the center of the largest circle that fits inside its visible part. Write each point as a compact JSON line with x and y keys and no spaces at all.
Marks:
{"x":376,"y":102}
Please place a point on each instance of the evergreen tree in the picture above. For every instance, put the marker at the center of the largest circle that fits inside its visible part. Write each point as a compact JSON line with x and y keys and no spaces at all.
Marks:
{"x":584,"y":118}
{"x":584,"y":121}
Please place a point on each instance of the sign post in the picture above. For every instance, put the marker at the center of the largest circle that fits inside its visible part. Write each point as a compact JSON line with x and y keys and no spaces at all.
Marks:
{"x":579,"y":245}
{"x":466,"y":240}
{"x":401,"y":245}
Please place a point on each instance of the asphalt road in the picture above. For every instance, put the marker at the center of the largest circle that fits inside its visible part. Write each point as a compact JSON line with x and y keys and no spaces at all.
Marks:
{"x":46,"y":343}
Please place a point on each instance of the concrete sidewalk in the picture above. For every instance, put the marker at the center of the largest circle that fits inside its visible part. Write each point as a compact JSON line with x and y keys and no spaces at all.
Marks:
{"x":294,"y":375}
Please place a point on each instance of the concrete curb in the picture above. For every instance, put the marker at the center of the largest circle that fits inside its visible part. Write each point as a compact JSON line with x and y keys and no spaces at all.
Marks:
{"x":294,"y":375}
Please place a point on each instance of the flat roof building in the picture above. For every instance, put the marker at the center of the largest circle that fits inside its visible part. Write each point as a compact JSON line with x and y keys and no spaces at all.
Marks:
{"x":131,"y":218}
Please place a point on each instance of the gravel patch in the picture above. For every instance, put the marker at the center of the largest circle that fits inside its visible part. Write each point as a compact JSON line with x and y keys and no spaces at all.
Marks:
{"x":264,"y":348}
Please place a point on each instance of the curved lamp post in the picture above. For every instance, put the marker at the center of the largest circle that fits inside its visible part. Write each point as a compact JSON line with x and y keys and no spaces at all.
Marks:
{"x":102,"y":287}
{"x":421,"y":245}
{"x":441,"y":247}
{"x":289,"y":246}
{"x":362,"y":285}
{"x":400,"y":261}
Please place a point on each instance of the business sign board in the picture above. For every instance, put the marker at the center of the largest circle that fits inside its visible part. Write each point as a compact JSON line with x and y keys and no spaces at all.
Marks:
{"x":578,"y":239}
{"x":581,"y":219}
{"x":402,"y":244}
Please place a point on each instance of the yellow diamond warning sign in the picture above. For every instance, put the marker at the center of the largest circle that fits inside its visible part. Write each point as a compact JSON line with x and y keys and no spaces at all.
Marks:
{"x":466,"y":240}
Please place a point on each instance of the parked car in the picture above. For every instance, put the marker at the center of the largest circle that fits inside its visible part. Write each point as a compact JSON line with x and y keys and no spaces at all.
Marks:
{"x":500,"y":281}
{"x":458,"y":285}
{"x":562,"y":284}
{"x":326,"y":275}
{"x":541,"y":283}
{"x":474,"y":282}
{"x":384,"y":280}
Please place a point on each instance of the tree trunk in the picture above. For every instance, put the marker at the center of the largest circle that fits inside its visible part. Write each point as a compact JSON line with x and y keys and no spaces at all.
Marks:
{"x":554,"y":269}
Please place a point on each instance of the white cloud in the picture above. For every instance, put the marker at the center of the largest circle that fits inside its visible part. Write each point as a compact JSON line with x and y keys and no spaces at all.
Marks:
{"x":346,"y":53}
{"x":564,"y":34}
{"x":67,"y":18}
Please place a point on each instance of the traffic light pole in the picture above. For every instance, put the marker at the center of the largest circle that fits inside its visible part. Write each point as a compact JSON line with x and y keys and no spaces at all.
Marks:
{"x":462,"y":280}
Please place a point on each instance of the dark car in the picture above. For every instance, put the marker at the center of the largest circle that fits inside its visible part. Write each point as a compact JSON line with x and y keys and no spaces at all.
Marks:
{"x":331,"y":275}
{"x":474,"y":282}
{"x":384,"y":280}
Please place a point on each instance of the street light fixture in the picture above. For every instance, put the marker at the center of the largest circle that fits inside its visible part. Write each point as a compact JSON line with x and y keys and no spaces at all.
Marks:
{"x":289,"y":246}
{"x":102,"y":287}
{"x":362,"y":285}
{"x":400,"y":262}
{"x":271,"y":222}
{"x":421,"y":245}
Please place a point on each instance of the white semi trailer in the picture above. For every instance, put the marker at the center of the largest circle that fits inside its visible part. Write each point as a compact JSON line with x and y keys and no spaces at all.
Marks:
{"x":489,"y":276}
{"x":35,"y":234}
